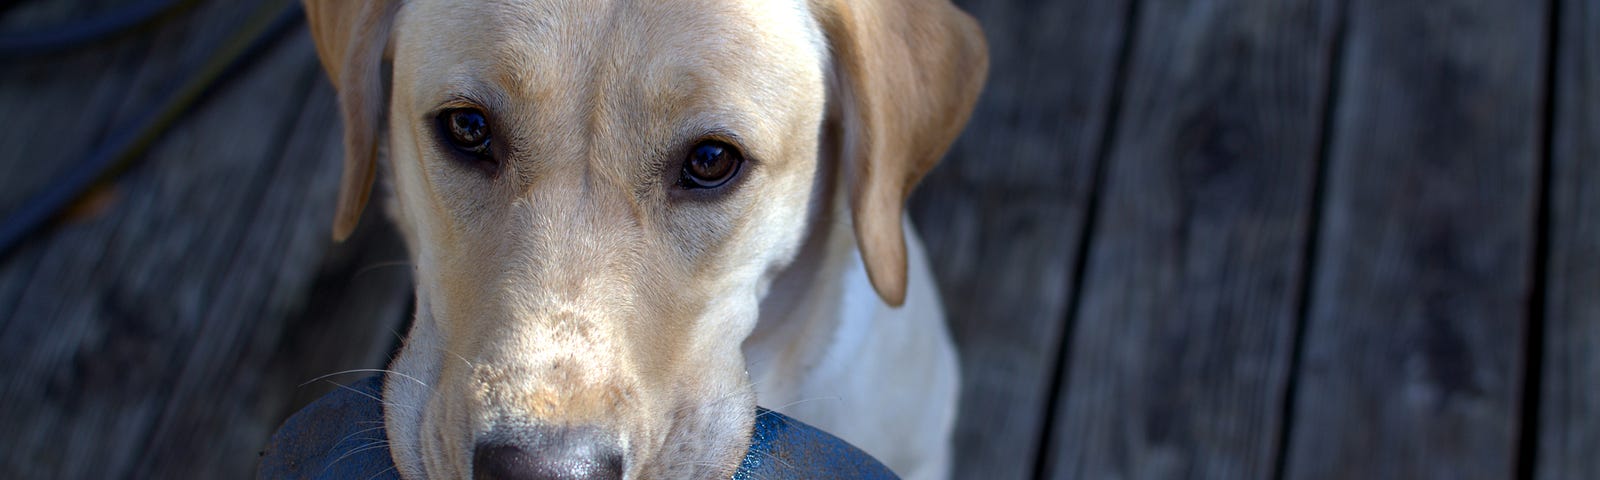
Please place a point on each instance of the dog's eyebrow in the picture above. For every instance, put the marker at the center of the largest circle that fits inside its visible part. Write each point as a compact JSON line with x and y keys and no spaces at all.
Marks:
{"x":461,"y":100}
{"x":469,"y":92}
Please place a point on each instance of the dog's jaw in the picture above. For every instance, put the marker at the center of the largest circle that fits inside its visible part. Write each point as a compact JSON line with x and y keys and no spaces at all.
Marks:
{"x":407,"y":390}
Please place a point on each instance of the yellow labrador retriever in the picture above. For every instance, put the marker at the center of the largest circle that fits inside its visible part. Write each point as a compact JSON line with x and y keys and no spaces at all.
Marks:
{"x":631,"y":221}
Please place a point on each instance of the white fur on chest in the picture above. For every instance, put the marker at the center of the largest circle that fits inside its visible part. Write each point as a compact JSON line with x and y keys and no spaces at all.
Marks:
{"x":829,"y":352}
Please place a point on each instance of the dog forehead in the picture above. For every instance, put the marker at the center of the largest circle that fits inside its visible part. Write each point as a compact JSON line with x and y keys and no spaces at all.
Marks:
{"x":524,"y":46}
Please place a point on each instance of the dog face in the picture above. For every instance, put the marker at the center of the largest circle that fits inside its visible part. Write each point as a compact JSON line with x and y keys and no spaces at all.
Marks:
{"x":645,"y":168}
{"x":597,"y":194}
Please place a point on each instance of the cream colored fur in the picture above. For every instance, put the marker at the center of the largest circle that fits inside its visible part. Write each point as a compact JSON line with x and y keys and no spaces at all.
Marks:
{"x":578,"y":285}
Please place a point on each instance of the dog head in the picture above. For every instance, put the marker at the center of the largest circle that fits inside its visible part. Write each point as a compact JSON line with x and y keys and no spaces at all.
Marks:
{"x":597,"y":195}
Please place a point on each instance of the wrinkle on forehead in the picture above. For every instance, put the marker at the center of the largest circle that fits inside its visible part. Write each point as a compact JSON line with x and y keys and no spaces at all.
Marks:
{"x":586,"y":48}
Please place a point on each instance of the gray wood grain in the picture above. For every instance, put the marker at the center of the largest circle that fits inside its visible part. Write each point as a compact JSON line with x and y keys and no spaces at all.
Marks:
{"x":1182,"y":348}
{"x":1002,"y":217}
{"x":27,"y":85}
{"x":110,"y":322}
{"x":1569,"y":409}
{"x":261,"y":363}
{"x":166,"y":337}
{"x":65,"y":103}
{"x":1413,"y":344}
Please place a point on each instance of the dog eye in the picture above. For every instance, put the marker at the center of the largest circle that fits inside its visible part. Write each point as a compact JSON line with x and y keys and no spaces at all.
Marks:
{"x":710,"y":165}
{"x":468,"y":131}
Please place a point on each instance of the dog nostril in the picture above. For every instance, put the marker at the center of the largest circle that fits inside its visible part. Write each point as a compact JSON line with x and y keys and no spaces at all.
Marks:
{"x":552,"y":455}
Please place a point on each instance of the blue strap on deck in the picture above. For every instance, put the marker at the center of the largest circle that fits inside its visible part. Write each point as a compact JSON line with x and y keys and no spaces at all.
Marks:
{"x":341,"y":436}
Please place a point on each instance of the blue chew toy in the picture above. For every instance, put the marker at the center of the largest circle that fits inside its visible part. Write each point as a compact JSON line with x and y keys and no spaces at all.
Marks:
{"x":339,"y":436}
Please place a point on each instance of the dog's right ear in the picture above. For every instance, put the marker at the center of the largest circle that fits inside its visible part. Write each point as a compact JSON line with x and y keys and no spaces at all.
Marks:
{"x":351,"y":37}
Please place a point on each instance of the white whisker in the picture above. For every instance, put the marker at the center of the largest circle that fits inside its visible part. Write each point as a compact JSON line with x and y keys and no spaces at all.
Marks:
{"x":780,"y":460}
{"x":365,"y":370}
{"x":375,"y":266}
{"x":381,"y":472}
{"x":364,"y":448}
{"x":357,"y":432}
{"x":374,"y":398}
{"x":797,"y":402}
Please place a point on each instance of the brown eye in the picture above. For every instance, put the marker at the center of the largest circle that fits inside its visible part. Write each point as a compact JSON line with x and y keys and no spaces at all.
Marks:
{"x":710,"y":165}
{"x":467,"y":130}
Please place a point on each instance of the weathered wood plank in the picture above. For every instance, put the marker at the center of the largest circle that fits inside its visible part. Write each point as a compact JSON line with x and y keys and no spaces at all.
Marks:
{"x":1413,"y":345}
{"x":270,"y":278}
{"x":1002,"y":216}
{"x":155,"y":338}
{"x":74,"y":98}
{"x":1569,"y":410}
{"x":1180,"y":355}
{"x":112,"y":320}
{"x":59,"y":327}
{"x":54,"y":121}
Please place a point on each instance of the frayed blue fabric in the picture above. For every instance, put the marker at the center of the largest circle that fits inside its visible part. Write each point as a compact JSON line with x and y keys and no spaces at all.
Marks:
{"x":341,"y":436}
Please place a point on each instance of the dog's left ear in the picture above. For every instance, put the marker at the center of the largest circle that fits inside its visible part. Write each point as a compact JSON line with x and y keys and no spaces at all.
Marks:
{"x":351,"y":37}
{"x":908,"y":73}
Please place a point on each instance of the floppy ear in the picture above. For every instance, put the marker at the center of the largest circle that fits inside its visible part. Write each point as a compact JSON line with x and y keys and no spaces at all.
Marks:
{"x":351,"y":37}
{"x":908,"y":73}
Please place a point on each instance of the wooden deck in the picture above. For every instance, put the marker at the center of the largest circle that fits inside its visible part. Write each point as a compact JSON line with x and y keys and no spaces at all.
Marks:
{"x":1230,"y":239}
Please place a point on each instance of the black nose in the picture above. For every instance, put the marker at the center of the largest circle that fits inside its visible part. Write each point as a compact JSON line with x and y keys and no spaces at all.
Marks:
{"x":548,"y":454}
